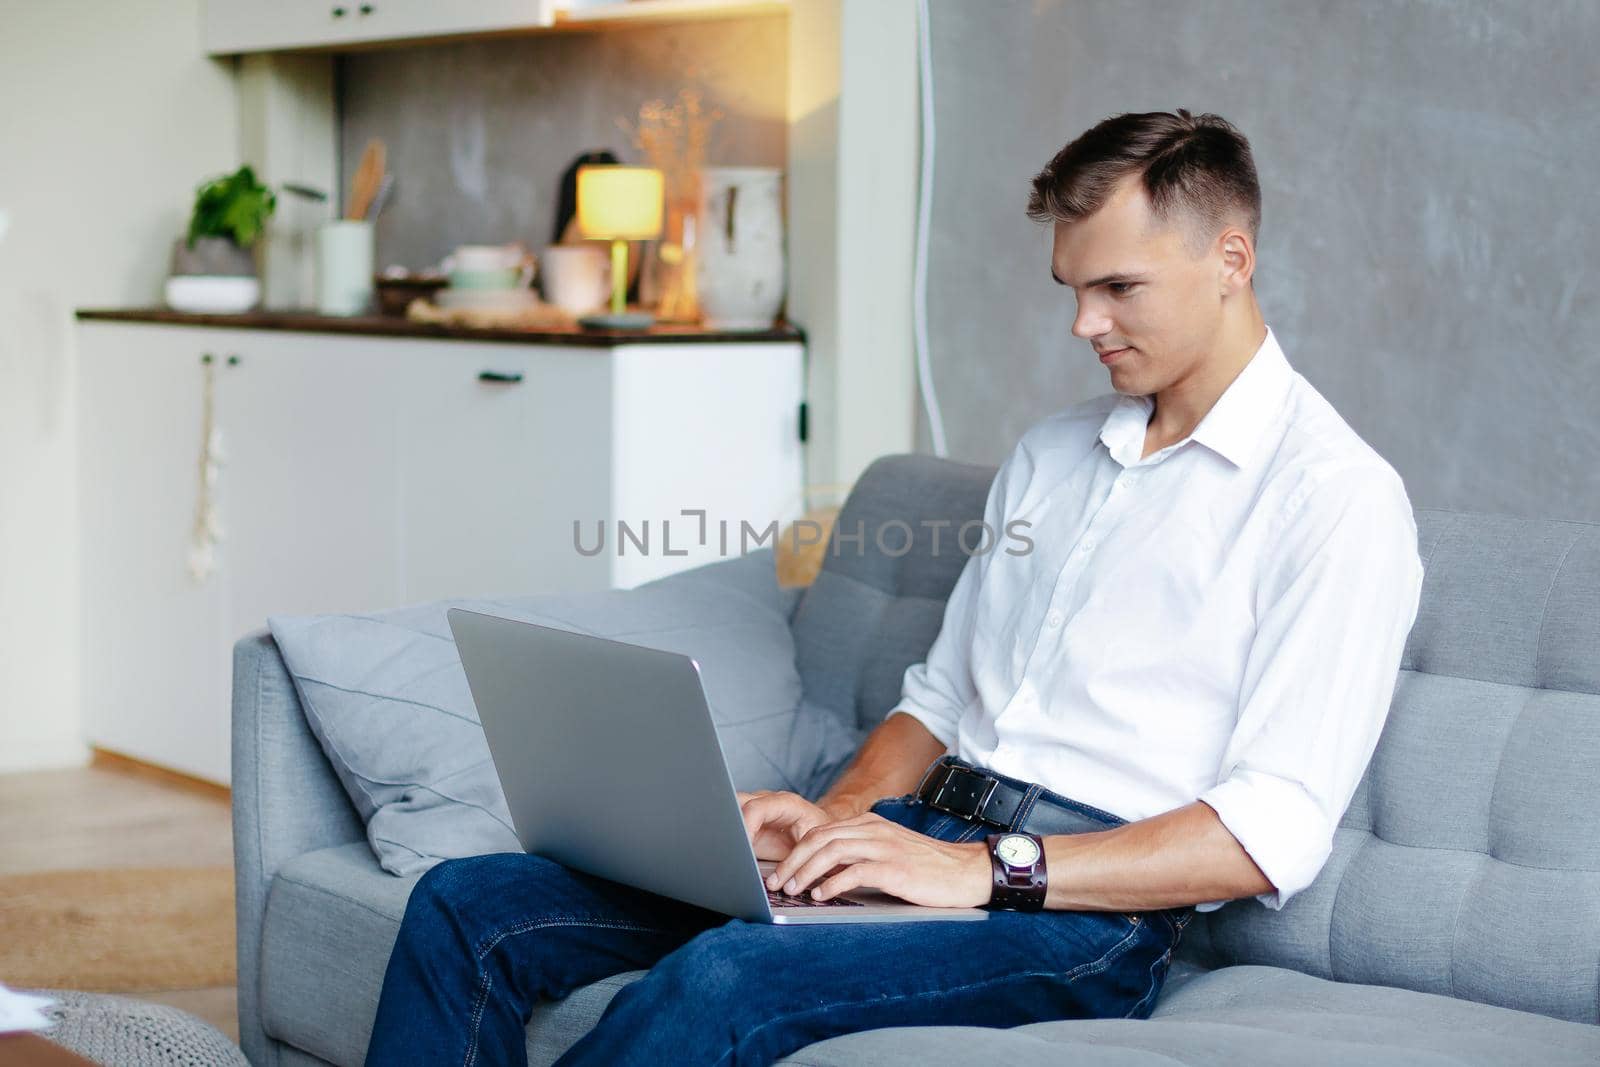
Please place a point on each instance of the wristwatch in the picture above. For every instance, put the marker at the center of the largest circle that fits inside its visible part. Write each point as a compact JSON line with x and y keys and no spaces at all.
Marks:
{"x":1019,"y":878}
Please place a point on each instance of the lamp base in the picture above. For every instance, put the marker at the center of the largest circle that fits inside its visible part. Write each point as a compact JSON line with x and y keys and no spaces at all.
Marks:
{"x":627,"y":320}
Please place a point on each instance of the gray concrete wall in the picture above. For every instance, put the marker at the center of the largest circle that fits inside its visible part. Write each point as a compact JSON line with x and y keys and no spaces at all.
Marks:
{"x":1429,"y":254}
{"x":479,"y":133}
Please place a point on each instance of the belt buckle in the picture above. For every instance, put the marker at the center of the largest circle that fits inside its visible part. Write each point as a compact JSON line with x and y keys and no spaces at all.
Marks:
{"x":939,"y":803}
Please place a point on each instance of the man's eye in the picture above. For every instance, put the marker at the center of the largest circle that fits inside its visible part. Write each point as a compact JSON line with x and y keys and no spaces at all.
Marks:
{"x":1121,"y":288}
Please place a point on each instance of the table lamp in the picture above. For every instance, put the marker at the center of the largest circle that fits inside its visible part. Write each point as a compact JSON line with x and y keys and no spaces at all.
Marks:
{"x":619,"y":204}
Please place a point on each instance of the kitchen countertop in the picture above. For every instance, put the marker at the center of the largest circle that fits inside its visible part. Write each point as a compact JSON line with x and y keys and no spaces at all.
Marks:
{"x":392,"y":326}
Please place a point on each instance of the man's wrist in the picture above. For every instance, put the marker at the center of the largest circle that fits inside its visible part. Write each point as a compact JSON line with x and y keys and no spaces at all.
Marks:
{"x":1018,"y":870}
{"x":981,"y":876}
{"x":844,"y":806}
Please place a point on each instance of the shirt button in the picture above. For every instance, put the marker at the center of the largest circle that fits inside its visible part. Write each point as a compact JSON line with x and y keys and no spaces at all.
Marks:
{"x":1054,"y":619}
{"x":1086,"y":544}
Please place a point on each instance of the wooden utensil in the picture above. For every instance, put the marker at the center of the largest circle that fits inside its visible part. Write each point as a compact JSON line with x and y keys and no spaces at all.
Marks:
{"x":369,"y":175}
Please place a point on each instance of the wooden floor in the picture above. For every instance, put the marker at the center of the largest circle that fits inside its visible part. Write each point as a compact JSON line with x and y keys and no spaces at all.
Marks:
{"x":114,"y":816}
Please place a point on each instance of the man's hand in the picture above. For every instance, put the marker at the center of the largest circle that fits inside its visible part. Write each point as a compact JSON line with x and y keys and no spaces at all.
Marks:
{"x":775,"y":822}
{"x":870,"y":851}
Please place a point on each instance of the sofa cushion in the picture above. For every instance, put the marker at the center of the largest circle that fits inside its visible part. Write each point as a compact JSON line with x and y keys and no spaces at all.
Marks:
{"x":333,"y":915}
{"x":386,"y":697}
{"x":1248,"y":1015}
{"x":332,"y":918}
{"x":1467,"y":863}
{"x":878,"y":602}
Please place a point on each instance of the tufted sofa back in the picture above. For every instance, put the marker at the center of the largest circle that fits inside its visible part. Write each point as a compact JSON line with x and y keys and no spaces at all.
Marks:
{"x":1468,"y":863}
{"x":876,"y":605}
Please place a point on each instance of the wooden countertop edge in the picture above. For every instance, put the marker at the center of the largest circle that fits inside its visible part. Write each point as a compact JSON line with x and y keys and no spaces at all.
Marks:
{"x":387,"y":326}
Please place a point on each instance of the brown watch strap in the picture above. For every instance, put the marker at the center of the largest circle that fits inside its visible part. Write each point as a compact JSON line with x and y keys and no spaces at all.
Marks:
{"x":1018,"y":889}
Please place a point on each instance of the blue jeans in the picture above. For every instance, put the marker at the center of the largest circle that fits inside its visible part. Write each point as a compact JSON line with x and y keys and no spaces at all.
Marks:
{"x":484,"y":939}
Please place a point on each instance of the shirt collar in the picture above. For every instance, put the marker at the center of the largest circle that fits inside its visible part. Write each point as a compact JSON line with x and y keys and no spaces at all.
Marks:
{"x":1235,"y":423}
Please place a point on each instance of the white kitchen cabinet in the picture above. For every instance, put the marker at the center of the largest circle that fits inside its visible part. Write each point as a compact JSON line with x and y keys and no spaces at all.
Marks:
{"x":311,"y":486}
{"x":237,"y":26}
{"x":500,"y":443}
{"x":233,"y":26}
{"x":364,"y":472}
{"x":150,"y":635}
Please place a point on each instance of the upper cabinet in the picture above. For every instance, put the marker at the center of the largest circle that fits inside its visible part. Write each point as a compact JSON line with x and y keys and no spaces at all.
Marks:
{"x":272,"y":25}
{"x":235,"y":26}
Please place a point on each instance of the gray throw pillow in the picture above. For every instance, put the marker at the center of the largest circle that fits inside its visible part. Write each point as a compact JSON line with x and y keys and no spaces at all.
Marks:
{"x":387,"y":699}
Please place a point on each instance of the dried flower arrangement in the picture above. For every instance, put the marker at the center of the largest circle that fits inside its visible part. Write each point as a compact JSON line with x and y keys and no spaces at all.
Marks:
{"x":673,"y":138}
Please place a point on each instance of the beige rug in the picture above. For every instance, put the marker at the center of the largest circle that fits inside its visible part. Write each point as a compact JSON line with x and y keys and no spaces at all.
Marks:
{"x":121,"y":930}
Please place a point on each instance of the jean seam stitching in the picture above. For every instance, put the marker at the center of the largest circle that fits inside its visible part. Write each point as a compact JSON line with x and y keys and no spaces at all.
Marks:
{"x":486,"y":980}
{"x":485,"y":983}
{"x":1110,"y":956}
{"x":1154,"y":984}
{"x":516,"y":929}
{"x":1029,"y":801}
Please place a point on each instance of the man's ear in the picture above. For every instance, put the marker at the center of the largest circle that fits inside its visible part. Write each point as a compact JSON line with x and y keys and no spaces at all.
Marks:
{"x":1238,"y":264}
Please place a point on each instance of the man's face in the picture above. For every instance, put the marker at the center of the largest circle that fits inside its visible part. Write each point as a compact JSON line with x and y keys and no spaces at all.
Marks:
{"x":1148,"y":301}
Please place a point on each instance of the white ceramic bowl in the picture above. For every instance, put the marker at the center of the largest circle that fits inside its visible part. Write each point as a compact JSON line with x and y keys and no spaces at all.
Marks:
{"x":486,"y":299}
{"x":212,"y":294}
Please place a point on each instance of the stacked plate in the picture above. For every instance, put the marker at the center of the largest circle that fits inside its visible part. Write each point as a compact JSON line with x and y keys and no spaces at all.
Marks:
{"x":486,"y":299}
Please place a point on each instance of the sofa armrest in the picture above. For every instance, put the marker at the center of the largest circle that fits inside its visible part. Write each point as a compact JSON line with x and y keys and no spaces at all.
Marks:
{"x":286,"y":802}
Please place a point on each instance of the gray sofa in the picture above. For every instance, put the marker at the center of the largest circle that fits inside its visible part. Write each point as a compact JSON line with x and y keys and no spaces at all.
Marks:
{"x":1458,"y":920}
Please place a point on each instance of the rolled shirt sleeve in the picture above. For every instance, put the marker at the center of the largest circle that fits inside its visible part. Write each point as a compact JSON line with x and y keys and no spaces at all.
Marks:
{"x":937,"y":691}
{"x":1333,"y":613}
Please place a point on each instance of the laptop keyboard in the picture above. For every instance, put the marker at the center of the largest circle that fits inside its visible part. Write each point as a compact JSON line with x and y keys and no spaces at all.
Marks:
{"x":784,"y":900}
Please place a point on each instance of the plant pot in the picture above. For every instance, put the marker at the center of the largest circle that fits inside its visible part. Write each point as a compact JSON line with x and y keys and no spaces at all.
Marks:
{"x":212,"y":256}
{"x":215,"y":277}
{"x":212,"y":294}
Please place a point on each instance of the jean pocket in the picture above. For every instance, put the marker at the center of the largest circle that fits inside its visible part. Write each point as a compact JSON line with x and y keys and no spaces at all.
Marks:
{"x":1077,"y":938}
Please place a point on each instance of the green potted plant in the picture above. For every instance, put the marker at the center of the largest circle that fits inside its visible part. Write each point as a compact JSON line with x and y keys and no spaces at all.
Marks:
{"x":214,"y":265}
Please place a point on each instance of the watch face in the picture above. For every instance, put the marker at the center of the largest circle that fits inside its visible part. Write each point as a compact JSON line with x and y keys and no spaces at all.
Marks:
{"x":1016,"y":850}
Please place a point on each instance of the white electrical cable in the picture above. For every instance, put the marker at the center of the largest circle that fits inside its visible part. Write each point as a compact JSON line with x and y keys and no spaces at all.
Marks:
{"x":919,"y":300}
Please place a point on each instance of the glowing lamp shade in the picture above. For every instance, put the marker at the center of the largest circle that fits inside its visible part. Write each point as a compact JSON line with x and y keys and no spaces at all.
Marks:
{"x":619,"y":204}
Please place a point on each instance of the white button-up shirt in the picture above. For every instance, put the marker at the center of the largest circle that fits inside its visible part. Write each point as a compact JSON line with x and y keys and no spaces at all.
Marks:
{"x":1221,"y":620}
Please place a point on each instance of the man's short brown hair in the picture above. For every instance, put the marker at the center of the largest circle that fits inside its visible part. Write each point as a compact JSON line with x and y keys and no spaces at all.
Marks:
{"x":1199,"y":165}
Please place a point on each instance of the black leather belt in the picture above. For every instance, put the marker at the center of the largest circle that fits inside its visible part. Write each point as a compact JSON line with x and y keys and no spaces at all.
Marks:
{"x":960,"y":789}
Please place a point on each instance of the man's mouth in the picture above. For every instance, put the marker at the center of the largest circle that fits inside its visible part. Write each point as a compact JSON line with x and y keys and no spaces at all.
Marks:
{"x":1111,"y":354}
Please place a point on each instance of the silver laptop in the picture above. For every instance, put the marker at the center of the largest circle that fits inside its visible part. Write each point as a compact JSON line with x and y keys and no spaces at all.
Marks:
{"x":611,"y":765}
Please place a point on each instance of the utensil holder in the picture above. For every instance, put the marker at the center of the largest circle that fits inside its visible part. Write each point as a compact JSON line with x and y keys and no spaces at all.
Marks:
{"x":344,"y":267}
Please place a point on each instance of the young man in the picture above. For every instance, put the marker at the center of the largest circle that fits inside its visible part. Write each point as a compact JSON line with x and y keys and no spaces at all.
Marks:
{"x":1167,"y":703}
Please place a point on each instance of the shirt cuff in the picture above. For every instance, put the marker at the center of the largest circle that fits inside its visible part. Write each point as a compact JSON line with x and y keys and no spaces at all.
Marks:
{"x":915,"y":684}
{"x":1280,"y":826}
{"x":936,"y":726}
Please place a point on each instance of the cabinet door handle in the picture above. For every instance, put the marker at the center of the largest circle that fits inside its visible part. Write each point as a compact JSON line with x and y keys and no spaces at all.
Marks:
{"x":500,"y":377}
{"x":338,"y":12}
{"x":365,"y":9}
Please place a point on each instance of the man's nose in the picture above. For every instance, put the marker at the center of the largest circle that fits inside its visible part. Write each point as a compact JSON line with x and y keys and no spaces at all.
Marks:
{"x":1090,"y":322}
